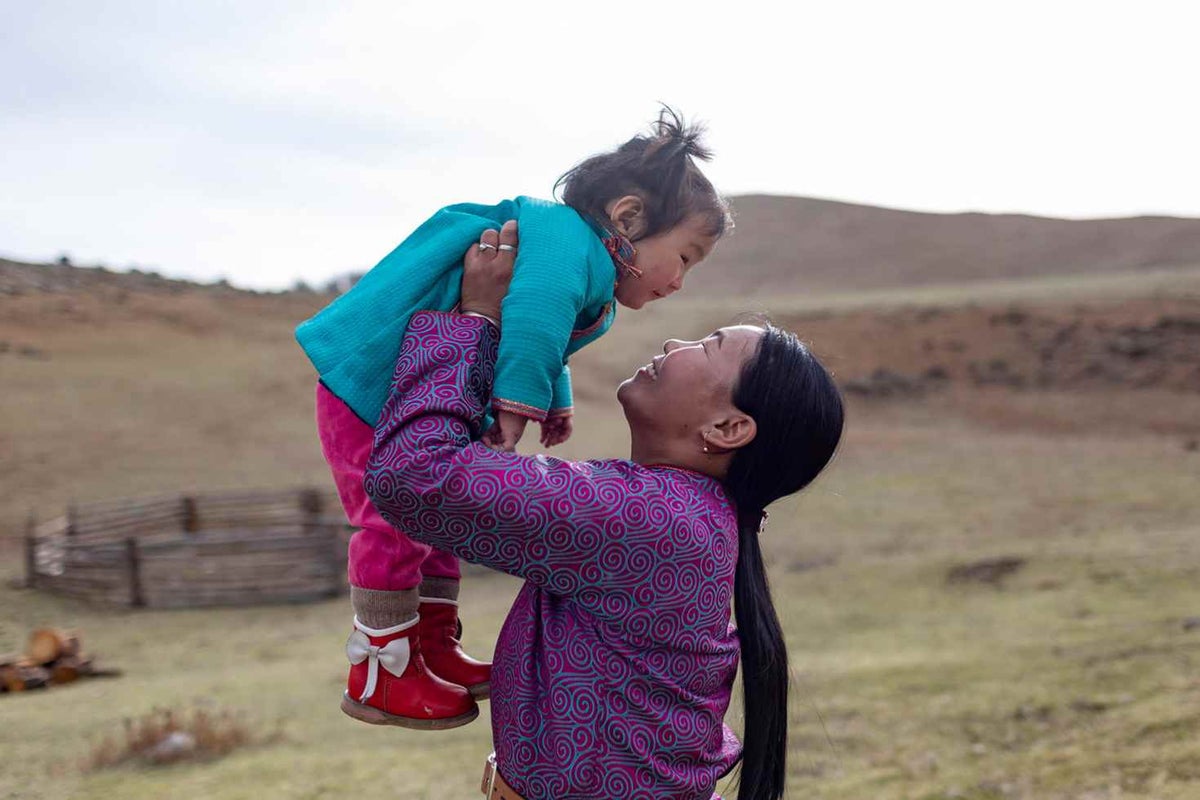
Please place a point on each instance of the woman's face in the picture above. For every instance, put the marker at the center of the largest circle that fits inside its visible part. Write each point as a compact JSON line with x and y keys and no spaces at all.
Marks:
{"x":690,"y":382}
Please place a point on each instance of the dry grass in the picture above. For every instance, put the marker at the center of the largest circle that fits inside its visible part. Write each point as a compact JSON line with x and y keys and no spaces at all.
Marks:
{"x":1076,"y":678}
{"x":1073,"y":678}
{"x":154,"y":394}
{"x":168,"y":735}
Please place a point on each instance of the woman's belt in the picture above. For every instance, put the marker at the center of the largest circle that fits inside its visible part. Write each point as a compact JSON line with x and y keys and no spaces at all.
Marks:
{"x":494,"y":786}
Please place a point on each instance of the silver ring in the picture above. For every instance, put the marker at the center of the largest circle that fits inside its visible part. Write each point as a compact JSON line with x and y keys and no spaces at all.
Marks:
{"x":508,"y":248}
{"x":486,"y":246}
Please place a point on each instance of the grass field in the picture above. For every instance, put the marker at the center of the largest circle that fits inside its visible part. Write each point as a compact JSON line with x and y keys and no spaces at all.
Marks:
{"x":1077,"y":677}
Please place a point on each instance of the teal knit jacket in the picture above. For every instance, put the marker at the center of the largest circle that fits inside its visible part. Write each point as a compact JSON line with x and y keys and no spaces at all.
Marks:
{"x":560,"y":299}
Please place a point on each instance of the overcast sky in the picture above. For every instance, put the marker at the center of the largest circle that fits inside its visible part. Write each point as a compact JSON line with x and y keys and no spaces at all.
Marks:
{"x":266,"y":141}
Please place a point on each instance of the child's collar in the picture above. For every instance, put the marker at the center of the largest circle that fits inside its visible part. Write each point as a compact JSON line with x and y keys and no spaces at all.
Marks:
{"x":618,"y":246}
{"x":623,"y":253}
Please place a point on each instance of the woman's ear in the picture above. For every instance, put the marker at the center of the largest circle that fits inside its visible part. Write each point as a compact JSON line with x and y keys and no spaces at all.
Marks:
{"x":628,"y":216}
{"x":733,"y":432}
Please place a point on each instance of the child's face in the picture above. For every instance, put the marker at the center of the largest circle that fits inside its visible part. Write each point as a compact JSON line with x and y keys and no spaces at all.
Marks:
{"x":664,"y":260}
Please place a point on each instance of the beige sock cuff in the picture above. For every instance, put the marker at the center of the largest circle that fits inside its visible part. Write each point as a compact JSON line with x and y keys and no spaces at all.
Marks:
{"x":376,"y":608}
{"x":441,"y":588}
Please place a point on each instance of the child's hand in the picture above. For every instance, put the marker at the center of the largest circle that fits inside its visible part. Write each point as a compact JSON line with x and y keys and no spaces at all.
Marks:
{"x":506,"y":432}
{"x":556,"y":430}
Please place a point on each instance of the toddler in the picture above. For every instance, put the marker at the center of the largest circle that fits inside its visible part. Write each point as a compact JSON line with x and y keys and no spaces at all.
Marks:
{"x":631,"y":223}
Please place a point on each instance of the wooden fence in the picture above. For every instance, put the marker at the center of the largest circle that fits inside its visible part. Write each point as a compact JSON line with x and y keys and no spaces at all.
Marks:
{"x":179,"y":551}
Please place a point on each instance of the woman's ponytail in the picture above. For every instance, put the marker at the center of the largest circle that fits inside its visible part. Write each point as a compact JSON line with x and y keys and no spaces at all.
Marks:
{"x":764,"y":672}
{"x":798,"y":413}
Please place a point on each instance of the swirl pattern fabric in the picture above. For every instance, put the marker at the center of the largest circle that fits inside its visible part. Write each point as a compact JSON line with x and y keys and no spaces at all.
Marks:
{"x":614,"y":668}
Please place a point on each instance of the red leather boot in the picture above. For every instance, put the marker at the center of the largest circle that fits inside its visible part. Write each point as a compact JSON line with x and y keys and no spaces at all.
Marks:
{"x":443,"y":651}
{"x":389,"y":683}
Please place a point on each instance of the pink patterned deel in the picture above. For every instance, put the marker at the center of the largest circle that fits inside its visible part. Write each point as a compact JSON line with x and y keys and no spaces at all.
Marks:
{"x":614,"y":668}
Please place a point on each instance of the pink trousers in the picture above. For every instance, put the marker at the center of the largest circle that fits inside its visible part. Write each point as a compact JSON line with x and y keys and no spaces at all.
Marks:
{"x":381,"y":557}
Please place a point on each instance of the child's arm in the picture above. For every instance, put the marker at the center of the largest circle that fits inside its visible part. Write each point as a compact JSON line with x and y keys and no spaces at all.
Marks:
{"x":560,"y":396}
{"x":547,"y":293}
{"x":558,"y":425}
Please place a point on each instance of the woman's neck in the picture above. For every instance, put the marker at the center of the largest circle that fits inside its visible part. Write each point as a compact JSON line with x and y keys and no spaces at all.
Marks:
{"x":667,"y":455}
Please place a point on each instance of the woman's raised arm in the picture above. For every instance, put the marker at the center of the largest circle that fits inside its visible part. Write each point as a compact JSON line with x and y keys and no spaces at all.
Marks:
{"x":616,"y":535}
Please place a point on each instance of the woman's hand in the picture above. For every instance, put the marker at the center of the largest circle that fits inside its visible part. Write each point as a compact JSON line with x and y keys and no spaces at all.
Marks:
{"x":487,"y":271}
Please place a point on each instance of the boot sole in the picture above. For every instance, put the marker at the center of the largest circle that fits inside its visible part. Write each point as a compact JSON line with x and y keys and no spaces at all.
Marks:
{"x":373,"y":716}
{"x":481,"y":691}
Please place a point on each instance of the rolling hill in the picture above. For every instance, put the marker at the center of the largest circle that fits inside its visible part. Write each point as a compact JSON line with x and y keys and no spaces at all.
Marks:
{"x":793,"y":245}
{"x":806,"y":246}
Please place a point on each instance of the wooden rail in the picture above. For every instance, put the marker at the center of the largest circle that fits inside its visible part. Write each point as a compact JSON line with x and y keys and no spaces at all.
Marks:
{"x":180,"y":551}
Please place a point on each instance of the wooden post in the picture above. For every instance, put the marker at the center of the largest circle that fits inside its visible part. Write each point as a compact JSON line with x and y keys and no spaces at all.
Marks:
{"x":134,"y":558}
{"x":191,"y":517}
{"x":31,"y":552}
{"x":337,"y":560}
{"x":310,"y":502}
{"x":310,"y":510}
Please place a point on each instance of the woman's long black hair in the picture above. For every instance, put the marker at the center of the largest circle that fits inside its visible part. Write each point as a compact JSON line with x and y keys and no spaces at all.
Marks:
{"x":661,"y":169}
{"x":799,"y":414}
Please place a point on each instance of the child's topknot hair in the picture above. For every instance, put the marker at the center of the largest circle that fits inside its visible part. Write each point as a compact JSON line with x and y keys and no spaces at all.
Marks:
{"x":660,"y":168}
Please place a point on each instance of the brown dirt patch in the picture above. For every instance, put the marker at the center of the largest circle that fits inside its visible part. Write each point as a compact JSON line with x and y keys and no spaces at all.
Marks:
{"x":994,"y":359}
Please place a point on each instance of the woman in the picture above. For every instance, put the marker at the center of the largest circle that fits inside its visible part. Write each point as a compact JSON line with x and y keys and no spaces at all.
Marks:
{"x":614,"y":668}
